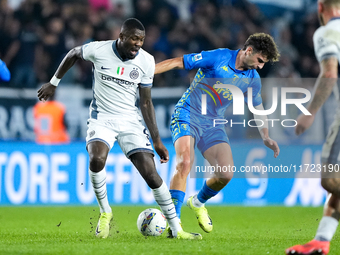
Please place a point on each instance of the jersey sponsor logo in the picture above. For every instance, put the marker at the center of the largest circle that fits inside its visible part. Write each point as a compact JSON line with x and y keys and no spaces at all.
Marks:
{"x":104,"y":68}
{"x":197,"y":57}
{"x":134,"y":74}
{"x":116,"y":80}
{"x":217,"y":92}
{"x":226,"y":93}
{"x":120,"y":70}
{"x":208,"y":92}
{"x":92,"y":133}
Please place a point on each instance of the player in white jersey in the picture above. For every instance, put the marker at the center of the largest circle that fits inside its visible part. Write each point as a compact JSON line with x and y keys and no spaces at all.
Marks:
{"x":120,"y":67}
{"x":327,"y":50}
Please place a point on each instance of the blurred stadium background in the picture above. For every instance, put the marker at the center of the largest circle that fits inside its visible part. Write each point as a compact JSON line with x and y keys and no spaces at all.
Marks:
{"x":34,"y":37}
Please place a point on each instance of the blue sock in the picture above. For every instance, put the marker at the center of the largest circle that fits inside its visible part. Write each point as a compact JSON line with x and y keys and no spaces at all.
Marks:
{"x":206,"y":193}
{"x":177,"y":197}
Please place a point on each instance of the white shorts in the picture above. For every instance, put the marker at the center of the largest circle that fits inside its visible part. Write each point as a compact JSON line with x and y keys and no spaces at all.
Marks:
{"x":331,"y":148}
{"x":131,"y":135}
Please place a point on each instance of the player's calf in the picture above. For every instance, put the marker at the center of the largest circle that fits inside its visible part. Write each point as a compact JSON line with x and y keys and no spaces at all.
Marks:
{"x":163,"y":199}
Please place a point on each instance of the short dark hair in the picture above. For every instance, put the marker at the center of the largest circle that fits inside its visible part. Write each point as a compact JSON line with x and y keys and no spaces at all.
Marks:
{"x":331,"y":3}
{"x":131,"y":24}
{"x":264,"y":44}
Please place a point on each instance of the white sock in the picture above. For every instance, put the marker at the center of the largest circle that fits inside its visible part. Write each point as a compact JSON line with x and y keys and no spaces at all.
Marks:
{"x":326,"y":229}
{"x":196,"y":202}
{"x":163,"y":199}
{"x":98,"y":181}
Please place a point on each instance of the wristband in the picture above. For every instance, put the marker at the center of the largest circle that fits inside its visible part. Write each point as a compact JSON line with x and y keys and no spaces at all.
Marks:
{"x":55,"y":81}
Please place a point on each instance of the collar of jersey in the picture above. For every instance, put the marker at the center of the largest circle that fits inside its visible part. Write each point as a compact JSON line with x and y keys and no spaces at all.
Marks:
{"x":334,"y":18}
{"x":114,"y":48}
{"x":232,"y":61}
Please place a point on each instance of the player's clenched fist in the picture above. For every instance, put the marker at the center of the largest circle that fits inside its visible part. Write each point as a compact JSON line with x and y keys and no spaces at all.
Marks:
{"x":46,"y":91}
{"x":303,"y":123}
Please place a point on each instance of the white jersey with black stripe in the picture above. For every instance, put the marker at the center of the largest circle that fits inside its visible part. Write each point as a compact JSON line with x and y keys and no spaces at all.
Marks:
{"x":327,"y":40}
{"x":327,"y":44}
{"x":115,"y":80}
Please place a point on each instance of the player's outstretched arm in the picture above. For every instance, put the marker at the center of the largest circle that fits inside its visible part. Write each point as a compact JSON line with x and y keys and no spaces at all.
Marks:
{"x":47,"y":90}
{"x":169,"y":64}
{"x":262,"y":125}
{"x":148,"y":113}
{"x":5,"y":75}
{"x":323,"y":88}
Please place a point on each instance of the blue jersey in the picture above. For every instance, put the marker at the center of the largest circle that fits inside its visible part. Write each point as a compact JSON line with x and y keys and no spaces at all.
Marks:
{"x":217,"y":66}
{"x":4,"y":72}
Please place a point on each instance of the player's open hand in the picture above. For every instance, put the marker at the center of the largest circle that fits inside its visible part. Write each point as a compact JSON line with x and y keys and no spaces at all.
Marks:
{"x":161,"y":151}
{"x":46,"y":91}
{"x":270,"y":143}
{"x":303,"y":123}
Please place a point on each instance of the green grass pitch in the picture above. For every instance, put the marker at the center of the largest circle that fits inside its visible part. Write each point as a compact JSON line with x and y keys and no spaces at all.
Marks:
{"x":237,"y":230}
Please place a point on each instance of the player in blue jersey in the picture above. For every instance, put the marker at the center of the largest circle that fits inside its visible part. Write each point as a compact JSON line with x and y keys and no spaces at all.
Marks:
{"x":5,"y":75}
{"x":191,"y":125}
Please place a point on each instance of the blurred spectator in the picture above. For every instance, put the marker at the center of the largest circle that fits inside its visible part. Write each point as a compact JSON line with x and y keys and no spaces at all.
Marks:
{"x":24,"y":56}
{"x":50,"y":48}
{"x":49,"y":122}
{"x":35,"y":34}
{"x":123,"y":8}
{"x":145,"y":11}
{"x":183,"y":8}
{"x":100,"y":4}
{"x":285,"y":45}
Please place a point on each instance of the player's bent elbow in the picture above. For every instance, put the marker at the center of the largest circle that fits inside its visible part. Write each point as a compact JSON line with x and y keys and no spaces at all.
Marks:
{"x":145,"y":104}
{"x":330,"y":74}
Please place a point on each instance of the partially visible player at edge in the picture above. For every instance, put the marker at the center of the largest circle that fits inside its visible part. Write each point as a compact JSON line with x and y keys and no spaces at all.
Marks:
{"x":5,"y":75}
{"x":327,"y":50}
{"x":120,"y":67}
{"x":190,"y":128}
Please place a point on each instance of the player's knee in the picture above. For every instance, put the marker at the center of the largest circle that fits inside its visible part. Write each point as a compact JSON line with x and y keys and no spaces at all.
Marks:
{"x":154,"y":180}
{"x":97,"y":163}
{"x":329,"y":184}
{"x":183,"y":167}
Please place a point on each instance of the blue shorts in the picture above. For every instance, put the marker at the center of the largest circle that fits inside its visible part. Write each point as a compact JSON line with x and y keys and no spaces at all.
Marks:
{"x":201,"y":129}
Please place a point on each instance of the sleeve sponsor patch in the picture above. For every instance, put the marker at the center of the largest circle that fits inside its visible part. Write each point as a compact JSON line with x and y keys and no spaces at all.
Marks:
{"x":197,"y":57}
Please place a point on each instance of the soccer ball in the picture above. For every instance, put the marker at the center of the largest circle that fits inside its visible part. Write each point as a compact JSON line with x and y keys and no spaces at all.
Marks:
{"x":151,"y":222}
